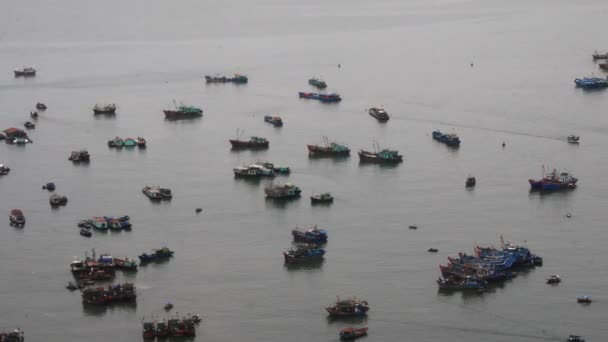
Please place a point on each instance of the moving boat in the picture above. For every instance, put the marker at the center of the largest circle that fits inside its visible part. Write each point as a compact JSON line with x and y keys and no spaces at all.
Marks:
{"x":80,"y":156}
{"x":332,"y":149}
{"x":157,"y":193}
{"x":183,"y":112}
{"x":40,"y":106}
{"x":25,"y":72}
{"x":317,"y":82}
{"x":591,"y":83}
{"x":283,"y":191}
{"x":554,"y":279}
{"x":352,"y":333}
{"x":303,"y":254}
{"x":324,"y":197}
{"x":573,"y":139}
{"x":384,"y":156}
{"x":253,"y":171}
{"x":313,"y":235}
{"x":553,"y":181}
{"x":274,"y":120}
{"x":333,"y":97}
{"x":58,"y":200}
{"x":237,"y":79}
{"x":470,"y":182}
{"x":450,"y":139}
{"x":379,"y":113}
{"x":597,"y":55}
{"x":108,"y":108}
{"x":350,"y":307}
{"x":17,"y":219}
{"x":252,"y":143}
{"x":584,"y":300}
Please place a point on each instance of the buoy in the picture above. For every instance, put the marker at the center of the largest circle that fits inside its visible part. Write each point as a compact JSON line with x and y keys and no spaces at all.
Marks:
{"x":338,"y":65}
{"x":503,"y":144}
{"x":471,"y":65}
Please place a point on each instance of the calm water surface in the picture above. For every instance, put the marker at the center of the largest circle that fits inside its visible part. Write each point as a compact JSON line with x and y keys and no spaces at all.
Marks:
{"x":412,"y":57}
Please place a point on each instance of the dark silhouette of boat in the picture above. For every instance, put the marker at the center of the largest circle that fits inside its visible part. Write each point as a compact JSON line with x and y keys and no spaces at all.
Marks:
{"x":274,"y":120}
{"x":313,"y":235}
{"x":157,"y":193}
{"x":80,"y":156}
{"x":58,"y":200}
{"x":317,"y":82}
{"x":596,"y":55}
{"x":470,"y":182}
{"x":4,"y":170}
{"x":304,"y":254}
{"x":379,"y":113}
{"x":237,"y":79}
{"x":109,"y":108}
{"x":332,"y":149}
{"x":40,"y":106}
{"x":183,"y":112}
{"x":17,"y":219}
{"x":29,"y":125}
{"x":25,"y":72}
{"x":324,"y":197}
{"x":350,"y":307}
{"x":253,"y":143}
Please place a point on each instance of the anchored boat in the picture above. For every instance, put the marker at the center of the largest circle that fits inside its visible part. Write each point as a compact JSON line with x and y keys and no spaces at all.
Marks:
{"x":80,"y":156}
{"x":313,"y":235}
{"x":350,"y":307}
{"x":274,"y":120}
{"x":596,"y":55}
{"x":157,"y":193}
{"x":468,"y":283}
{"x":109,"y":108}
{"x":284,"y":191}
{"x":25,"y":72}
{"x":384,"y":156}
{"x":591,"y":83}
{"x":317,"y":82}
{"x":333,"y":97}
{"x":352,"y":333}
{"x":332,"y":149}
{"x":237,"y":79}
{"x":379,"y":113}
{"x":304,"y":254}
{"x":17,"y":219}
{"x":324,"y":197}
{"x":252,"y":143}
{"x":553,"y":180}
{"x":450,"y":139}
{"x":156,"y":255}
{"x":253,"y":171}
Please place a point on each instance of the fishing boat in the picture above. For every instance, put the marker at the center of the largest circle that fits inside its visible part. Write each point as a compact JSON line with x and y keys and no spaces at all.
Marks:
{"x":58,"y":200}
{"x":157,"y":193}
{"x":470,"y":182}
{"x":156,"y":255}
{"x":25,"y":72}
{"x":125,"y":263}
{"x":313,"y":235}
{"x":277,"y":169}
{"x":384,"y":156}
{"x":252,"y":143}
{"x":17,"y":219}
{"x":584,"y":300}
{"x":99,"y":223}
{"x":449,"y":139}
{"x":553,"y":180}
{"x":575,"y":338}
{"x":183,"y":112}
{"x":303,"y":254}
{"x":328,"y":149}
{"x":467,"y":283}
{"x":4,"y":170}
{"x":108,"y":108}
{"x":596,"y":55}
{"x":16,"y":335}
{"x":29,"y":125}
{"x":432,"y":250}
{"x":149,"y":332}
{"x":253,"y":171}
{"x":573,"y":139}
{"x":125,"y":292}
{"x":86,"y":232}
{"x":80,"y":156}
{"x":350,"y":307}
{"x":324,"y":197}
{"x":141,"y":142}
{"x":326,"y":98}
{"x":352,"y":333}
{"x":129,"y":142}
{"x":40,"y":106}
{"x":274,"y":120}
{"x":162,"y":329}
{"x":379,"y":113}
{"x":237,"y":79}
{"x":317,"y":82}
{"x":591,"y":83}
{"x":554,"y":279}
{"x":282,"y":191}
{"x":116,"y":142}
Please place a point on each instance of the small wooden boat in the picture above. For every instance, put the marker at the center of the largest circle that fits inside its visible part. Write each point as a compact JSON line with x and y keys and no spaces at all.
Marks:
{"x":34,"y":115}
{"x":554,"y":279}
{"x":40,"y":106}
{"x":584,"y":300}
{"x":85,"y":232}
{"x":25,"y":72}
{"x":17,"y":219}
{"x":573,"y":139}
{"x":470,"y":182}
{"x":352,"y":333}
{"x":29,"y":125}
{"x":324,"y":197}
{"x":198,"y":210}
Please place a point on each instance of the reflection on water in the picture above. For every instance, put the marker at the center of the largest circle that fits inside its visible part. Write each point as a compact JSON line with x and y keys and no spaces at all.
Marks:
{"x":281,"y":202}
{"x":107,"y":116}
{"x":100,"y":310}
{"x":312,"y":265}
{"x":355,"y":320}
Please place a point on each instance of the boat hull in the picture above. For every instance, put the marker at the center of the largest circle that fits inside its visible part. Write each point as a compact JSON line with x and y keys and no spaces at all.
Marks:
{"x":104,"y":111}
{"x":239,"y":144}
{"x":177,"y":115}
{"x":325,"y":151}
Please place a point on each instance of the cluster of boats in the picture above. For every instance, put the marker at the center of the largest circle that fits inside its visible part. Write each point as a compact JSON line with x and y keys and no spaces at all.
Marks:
{"x":16,"y":335}
{"x":157,"y":255}
{"x":183,"y":112}
{"x":124,"y":292}
{"x":157,"y":193}
{"x":86,"y":272}
{"x":119,"y":142}
{"x":489,"y":264}
{"x":104,"y":223}
{"x":174,"y":327}
{"x":309,"y":248}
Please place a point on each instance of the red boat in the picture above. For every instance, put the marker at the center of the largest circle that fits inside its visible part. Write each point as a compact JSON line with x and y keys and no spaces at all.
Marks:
{"x":253,"y":142}
{"x":352,"y":333}
{"x":329,"y":149}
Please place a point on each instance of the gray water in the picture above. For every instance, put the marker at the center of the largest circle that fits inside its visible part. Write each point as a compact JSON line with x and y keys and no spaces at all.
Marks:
{"x":411,"y":57}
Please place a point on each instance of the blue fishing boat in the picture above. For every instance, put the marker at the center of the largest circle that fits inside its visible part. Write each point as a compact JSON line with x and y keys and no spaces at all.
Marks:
{"x":591,"y":83}
{"x":333,"y":97}
{"x":304,"y":254}
{"x":553,"y":180}
{"x":450,"y":139}
{"x":313,"y":235}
